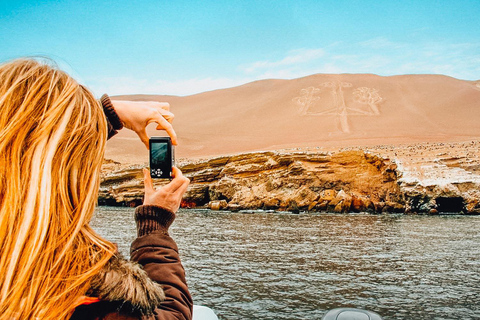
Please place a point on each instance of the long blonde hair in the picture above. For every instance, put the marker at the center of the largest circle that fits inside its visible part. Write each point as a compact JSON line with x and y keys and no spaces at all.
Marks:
{"x":52,"y":140}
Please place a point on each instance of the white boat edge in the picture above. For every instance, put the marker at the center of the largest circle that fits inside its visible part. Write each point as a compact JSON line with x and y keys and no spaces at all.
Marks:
{"x":203,"y":313}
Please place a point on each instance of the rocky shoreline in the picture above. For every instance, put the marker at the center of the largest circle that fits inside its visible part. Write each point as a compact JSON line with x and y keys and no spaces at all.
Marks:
{"x":341,"y":181}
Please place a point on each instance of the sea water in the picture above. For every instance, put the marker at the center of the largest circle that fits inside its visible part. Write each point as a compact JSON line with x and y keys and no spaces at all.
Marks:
{"x":286,"y":266}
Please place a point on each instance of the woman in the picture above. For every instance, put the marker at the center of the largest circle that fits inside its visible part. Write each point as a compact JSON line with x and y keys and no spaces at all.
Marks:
{"x":52,"y":264}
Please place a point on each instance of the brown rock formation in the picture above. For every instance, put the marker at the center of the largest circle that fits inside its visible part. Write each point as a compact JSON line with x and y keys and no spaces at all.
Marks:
{"x":342,"y":182}
{"x":346,"y":181}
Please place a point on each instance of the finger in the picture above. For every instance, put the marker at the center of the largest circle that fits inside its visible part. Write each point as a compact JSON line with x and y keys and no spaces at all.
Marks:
{"x":142,"y":134}
{"x":167,"y":115}
{"x":165,"y":125}
{"x":176,"y":172}
{"x":177,"y":181}
{"x":181,"y":190}
{"x":147,"y":181}
{"x":164,"y":105}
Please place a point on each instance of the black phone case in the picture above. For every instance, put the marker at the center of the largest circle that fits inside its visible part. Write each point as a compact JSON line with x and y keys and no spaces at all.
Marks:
{"x":161,"y":157}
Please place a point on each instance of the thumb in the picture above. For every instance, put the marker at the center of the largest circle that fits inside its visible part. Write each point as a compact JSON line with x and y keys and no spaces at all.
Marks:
{"x":148,"y":181}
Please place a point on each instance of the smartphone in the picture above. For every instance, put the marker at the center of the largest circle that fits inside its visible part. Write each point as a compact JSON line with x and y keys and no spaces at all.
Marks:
{"x":162,"y":157}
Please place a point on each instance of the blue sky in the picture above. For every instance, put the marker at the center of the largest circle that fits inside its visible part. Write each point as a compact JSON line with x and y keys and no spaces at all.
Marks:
{"x":184,"y":47}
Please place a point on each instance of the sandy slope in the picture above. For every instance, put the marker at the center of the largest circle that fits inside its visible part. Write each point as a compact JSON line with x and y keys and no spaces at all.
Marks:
{"x":326,"y":111}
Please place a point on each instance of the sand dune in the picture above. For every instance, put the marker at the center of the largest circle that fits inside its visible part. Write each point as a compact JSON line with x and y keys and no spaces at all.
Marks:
{"x":325,"y":111}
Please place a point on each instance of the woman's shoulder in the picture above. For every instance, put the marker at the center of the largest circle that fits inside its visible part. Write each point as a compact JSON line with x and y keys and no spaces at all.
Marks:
{"x":123,"y":291}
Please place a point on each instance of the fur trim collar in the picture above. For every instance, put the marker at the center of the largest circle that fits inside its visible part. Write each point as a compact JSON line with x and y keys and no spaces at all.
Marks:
{"x":125,"y":282}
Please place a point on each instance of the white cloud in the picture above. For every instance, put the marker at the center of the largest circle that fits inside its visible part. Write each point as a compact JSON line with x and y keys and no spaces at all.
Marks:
{"x":293,"y":58}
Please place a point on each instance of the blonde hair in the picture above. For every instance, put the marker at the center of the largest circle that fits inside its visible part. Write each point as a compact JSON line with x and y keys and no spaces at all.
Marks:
{"x":52,"y":140}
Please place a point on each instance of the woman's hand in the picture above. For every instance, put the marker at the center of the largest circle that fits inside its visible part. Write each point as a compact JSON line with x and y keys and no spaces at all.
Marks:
{"x":169,"y":196}
{"x":136,"y":115}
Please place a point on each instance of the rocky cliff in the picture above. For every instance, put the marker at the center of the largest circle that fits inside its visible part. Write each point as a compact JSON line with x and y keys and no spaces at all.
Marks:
{"x":344,"y":181}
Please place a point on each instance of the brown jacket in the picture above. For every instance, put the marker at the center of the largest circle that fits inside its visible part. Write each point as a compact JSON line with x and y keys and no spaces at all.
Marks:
{"x":128,"y":292}
{"x":158,"y":289}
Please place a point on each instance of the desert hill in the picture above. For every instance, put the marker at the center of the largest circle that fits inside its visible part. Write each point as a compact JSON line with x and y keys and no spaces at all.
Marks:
{"x":322,"y":110}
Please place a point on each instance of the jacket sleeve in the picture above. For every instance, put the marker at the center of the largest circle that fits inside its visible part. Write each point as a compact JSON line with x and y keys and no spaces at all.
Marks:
{"x":113,"y":121}
{"x":157,"y":252}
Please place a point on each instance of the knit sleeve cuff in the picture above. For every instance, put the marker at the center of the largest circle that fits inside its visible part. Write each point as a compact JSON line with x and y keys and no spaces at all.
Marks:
{"x":151,"y":218}
{"x":110,"y":113}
